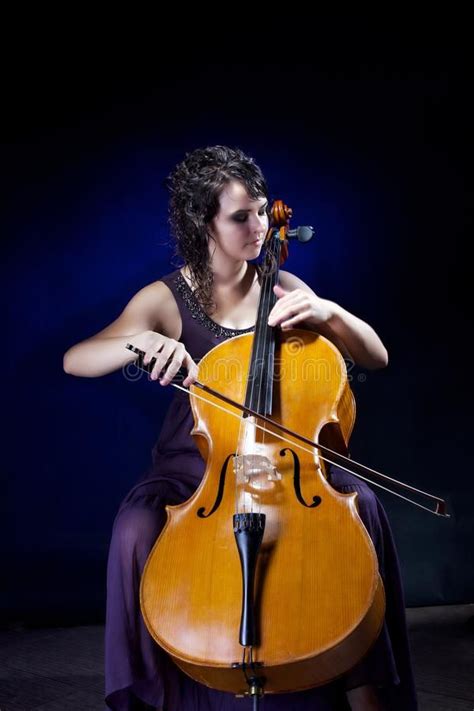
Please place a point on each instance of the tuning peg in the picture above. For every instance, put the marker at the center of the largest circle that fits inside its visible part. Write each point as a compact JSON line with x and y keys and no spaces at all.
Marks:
{"x":303,"y":233}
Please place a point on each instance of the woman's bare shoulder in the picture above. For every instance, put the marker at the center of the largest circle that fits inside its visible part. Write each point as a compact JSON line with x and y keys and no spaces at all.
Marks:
{"x":153,"y":308}
{"x":291,"y":281}
{"x":158,"y":298}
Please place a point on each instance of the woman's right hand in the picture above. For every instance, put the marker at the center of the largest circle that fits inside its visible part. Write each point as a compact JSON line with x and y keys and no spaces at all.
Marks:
{"x":165,"y":349}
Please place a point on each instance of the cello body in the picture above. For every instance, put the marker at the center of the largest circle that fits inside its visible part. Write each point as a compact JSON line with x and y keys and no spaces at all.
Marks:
{"x":319,"y":598}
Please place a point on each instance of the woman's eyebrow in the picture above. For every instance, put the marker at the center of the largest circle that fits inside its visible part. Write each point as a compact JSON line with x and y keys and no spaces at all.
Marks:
{"x":243,"y":209}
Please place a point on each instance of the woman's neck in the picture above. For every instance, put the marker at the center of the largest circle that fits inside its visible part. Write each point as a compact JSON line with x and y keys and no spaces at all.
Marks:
{"x":236,"y":277}
{"x":227,"y":275}
{"x":230,"y":275}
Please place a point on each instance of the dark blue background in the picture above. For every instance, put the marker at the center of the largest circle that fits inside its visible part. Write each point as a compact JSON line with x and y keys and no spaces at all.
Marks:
{"x":374,"y":158}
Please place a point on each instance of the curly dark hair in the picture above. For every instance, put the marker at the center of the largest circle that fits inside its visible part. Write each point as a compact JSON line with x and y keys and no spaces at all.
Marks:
{"x":195,"y":185}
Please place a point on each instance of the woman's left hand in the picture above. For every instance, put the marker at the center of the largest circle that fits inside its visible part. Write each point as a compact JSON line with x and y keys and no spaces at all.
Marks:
{"x":298,"y":306}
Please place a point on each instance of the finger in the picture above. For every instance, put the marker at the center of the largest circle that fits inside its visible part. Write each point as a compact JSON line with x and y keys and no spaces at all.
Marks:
{"x":191,"y":377}
{"x":171,"y":369}
{"x":291,"y":322}
{"x":174,"y":362}
{"x":161,"y":360}
{"x":152,"y":352}
{"x":285,"y":309}
{"x":279,"y":291}
{"x":282,"y":299}
{"x":157,"y":369}
{"x":192,"y":368}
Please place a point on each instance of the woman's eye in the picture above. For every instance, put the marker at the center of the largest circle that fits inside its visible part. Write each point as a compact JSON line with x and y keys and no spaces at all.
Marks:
{"x":243,"y":218}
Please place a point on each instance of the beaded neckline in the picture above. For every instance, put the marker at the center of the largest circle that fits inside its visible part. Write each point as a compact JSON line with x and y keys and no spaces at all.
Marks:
{"x":198,"y":313}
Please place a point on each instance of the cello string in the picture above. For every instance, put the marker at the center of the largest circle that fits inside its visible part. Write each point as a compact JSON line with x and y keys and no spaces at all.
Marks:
{"x":265,"y":342}
{"x":270,"y":280}
{"x":325,"y":458}
{"x":257,"y":361}
{"x":245,"y":420}
{"x":256,"y":372}
{"x":260,"y":330}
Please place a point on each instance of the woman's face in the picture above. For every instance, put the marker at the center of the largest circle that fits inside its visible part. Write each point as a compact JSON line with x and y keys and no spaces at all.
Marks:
{"x":240,"y":226}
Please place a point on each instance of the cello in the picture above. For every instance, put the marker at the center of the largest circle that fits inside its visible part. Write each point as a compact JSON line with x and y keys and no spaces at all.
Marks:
{"x":266,"y":578}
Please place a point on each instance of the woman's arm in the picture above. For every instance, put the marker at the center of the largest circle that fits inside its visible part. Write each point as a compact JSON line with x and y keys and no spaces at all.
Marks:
{"x":298,"y":305}
{"x":147,"y":313}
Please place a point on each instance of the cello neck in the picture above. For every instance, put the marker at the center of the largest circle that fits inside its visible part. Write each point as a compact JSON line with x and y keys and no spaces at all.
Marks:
{"x":259,"y":391}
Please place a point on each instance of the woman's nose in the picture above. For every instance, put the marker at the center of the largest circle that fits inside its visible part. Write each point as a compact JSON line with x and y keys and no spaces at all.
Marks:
{"x":260,"y":224}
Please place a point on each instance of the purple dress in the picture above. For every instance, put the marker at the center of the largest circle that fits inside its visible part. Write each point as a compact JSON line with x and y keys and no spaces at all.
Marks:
{"x":139,"y":675}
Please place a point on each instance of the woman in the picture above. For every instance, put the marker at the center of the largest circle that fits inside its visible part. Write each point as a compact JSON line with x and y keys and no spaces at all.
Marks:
{"x":218,"y":215}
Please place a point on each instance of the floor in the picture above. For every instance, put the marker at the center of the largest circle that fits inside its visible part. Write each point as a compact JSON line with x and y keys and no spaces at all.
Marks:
{"x":60,"y":669}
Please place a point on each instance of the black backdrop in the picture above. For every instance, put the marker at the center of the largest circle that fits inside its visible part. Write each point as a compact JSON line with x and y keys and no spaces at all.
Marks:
{"x":374,"y":158}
